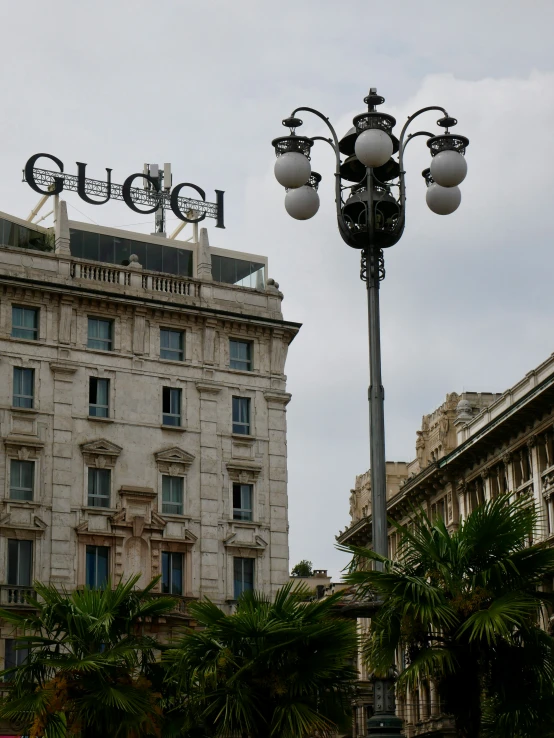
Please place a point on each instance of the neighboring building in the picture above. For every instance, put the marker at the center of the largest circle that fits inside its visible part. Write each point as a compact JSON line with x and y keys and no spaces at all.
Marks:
{"x":319,"y":582}
{"x":472,"y":448}
{"x":142,"y":414}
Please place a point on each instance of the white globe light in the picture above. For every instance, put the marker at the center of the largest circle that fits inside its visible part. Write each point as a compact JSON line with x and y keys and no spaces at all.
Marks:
{"x":443,"y":200}
{"x":302,"y":203}
{"x":373,"y":147}
{"x":292,"y":169}
{"x":448,"y":168}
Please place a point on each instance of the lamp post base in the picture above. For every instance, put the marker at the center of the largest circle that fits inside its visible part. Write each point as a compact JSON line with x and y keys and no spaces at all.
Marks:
{"x":384,"y":723}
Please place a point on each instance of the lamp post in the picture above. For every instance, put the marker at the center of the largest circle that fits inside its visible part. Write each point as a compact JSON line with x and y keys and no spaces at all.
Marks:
{"x":370,"y":196}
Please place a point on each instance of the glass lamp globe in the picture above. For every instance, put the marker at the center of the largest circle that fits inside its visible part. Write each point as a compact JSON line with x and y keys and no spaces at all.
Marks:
{"x":443,"y":200}
{"x":292,"y":169}
{"x":302,"y":203}
{"x":373,"y":147}
{"x":448,"y":168}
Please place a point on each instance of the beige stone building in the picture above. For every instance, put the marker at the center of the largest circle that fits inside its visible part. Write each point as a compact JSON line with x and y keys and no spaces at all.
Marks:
{"x":142,"y":414}
{"x":470,"y":449}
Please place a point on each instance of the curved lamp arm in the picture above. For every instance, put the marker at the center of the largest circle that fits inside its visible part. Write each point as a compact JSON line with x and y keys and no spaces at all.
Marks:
{"x":335,"y":146}
{"x":402,"y":146}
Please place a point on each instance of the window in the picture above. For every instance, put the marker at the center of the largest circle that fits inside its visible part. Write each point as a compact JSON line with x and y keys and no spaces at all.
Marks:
{"x":242,"y":501}
{"x":172,"y":495}
{"x":22,"y":474}
{"x":25,"y":323}
{"x":20,"y":562}
{"x":97,"y":566}
{"x":98,"y":398}
{"x":23,"y":387}
{"x":171,"y":406}
{"x":243,"y":575}
{"x":15,"y":653}
{"x":240,"y":353}
{"x":171,"y":345}
{"x":100,"y":334}
{"x":241,"y":415}
{"x":99,"y":487}
{"x":172,"y":573}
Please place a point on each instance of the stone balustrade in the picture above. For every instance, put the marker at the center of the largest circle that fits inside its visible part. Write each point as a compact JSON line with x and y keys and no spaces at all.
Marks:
{"x":12,"y":595}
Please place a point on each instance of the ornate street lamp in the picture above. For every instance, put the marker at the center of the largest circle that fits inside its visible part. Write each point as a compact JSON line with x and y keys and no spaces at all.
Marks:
{"x":370,"y":196}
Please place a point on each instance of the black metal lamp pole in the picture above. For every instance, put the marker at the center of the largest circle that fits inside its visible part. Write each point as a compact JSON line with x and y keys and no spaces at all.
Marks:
{"x":370,"y":202}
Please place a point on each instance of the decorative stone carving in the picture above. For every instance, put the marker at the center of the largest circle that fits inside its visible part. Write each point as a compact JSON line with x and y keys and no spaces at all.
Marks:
{"x":209,"y":341}
{"x":66,"y":316}
{"x":101,"y":454}
{"x":464,"y":412}
{"x":139,"y":330}
{"x":174,"y":461}
{"x":23,"y":447}
{"x":243,"y":470}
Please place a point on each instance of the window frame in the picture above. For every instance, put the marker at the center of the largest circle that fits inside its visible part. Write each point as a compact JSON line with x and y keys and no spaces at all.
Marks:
{"x":15,"y":653}
{"x":180,"y":351}
{"x":96,"y":584}
{"x":20,"y":463}
{"x":240,"y":427}
{"x":173,"y":481}
{"x":249,"y":362}
{"x":105,"y":341}
{"x":18,"y":543}
{"x":35,"y":330}
{"x":243,"y":559}
{"x":18,"y":398}
{"x":169,"y":415}
{"x":96,"y":406}
{"x":94,"y":472}
{"x":168,"y":587}
{"x":239,"y":512}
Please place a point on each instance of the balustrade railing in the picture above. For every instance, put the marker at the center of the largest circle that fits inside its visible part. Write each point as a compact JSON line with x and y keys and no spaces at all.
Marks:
{"x":97,"y":273}
{"x":15,"y":595}
{"x":129,"y":278}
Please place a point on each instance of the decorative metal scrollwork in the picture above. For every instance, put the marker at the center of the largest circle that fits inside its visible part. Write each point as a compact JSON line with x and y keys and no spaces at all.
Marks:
{"x":380,"y":266}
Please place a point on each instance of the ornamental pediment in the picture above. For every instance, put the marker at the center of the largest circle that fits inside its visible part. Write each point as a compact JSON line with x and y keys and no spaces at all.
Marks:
{"x":173,"y":460}
{"x":102,"y":446}
{"x":244,"y":471}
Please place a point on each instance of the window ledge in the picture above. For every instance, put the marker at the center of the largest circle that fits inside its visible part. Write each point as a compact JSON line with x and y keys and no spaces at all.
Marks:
{"x":178,"y":428}
{"x":175,"y":516}
{"x":23,"y":503}
{"x":249,"y":372}
{"x":100,"y":419}
{"x":179,"y":362}
{"x":101,"y":510}
{"x":246,"y":523}
{"x":26,"y":410}
{"x":99,"y":351}
{"x":243,"y":437}
{"x":27,"y":340}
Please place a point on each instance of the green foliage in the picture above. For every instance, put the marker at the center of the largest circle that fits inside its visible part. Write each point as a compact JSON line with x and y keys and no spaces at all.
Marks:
{"x":281,"y":668}
{"x":465,"y":607}
{"x":89,"y":670}
{"x":302,"y":569}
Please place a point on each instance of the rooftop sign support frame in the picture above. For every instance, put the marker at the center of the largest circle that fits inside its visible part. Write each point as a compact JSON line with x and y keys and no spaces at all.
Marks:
{"x":47,"y":183}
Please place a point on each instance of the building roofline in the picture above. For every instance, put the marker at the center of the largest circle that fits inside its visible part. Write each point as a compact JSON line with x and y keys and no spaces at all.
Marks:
{"x":39,"y":284}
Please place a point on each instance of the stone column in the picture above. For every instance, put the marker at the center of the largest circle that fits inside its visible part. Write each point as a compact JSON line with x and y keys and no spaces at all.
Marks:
{"x":63,"y":564}
{"x":435,"y":708}
{"x":278,"y":503}
{"x":204,"y":266}
{"x":210,"y":492}
{"x":61,"y":229}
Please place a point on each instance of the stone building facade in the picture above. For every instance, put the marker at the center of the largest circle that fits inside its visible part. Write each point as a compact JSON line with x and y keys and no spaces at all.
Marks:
{"x":142,"y":414}
{"x":470,"y":449}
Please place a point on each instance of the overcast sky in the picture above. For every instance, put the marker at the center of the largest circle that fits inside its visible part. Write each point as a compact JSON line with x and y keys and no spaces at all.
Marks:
{"x":467,"y":302}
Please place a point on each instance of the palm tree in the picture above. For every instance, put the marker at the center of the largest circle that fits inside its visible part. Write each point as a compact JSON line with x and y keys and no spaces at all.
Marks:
{"x":465,"y":608}
{"x":89,"y":663}
{"x":282,"y":668}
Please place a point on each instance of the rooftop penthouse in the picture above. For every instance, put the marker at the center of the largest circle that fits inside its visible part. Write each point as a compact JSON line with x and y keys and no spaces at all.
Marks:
{"x":152,"y":267}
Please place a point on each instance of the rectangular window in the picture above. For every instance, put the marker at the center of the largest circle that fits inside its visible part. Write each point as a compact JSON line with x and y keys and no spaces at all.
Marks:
{"x":23,"y":387}
{"x":99,"y":487}
{"x":172,"y":495}
{"x":172,"y":573}
{"x":15,"y":653}
{"x":98,"y":398}
{"x":22,"y":475}
{"x":240,"y":353}
{"x":171,"y":406}
{"x":20,"y":562}
{"x":25,"y":323}
{"x":100,"y":334}
{"x":171,"y":345}
{"x":242,"y":501}
{"x":243,"y":575}
{"x":241,"y":415}
{"x":97,"y":566}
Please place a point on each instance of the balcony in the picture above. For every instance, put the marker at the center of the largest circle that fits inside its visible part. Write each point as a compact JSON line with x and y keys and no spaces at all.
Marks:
{"x":13,"y":595}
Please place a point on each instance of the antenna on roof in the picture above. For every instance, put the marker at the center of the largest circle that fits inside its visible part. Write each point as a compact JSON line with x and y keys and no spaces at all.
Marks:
{"x":164,"y":178}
